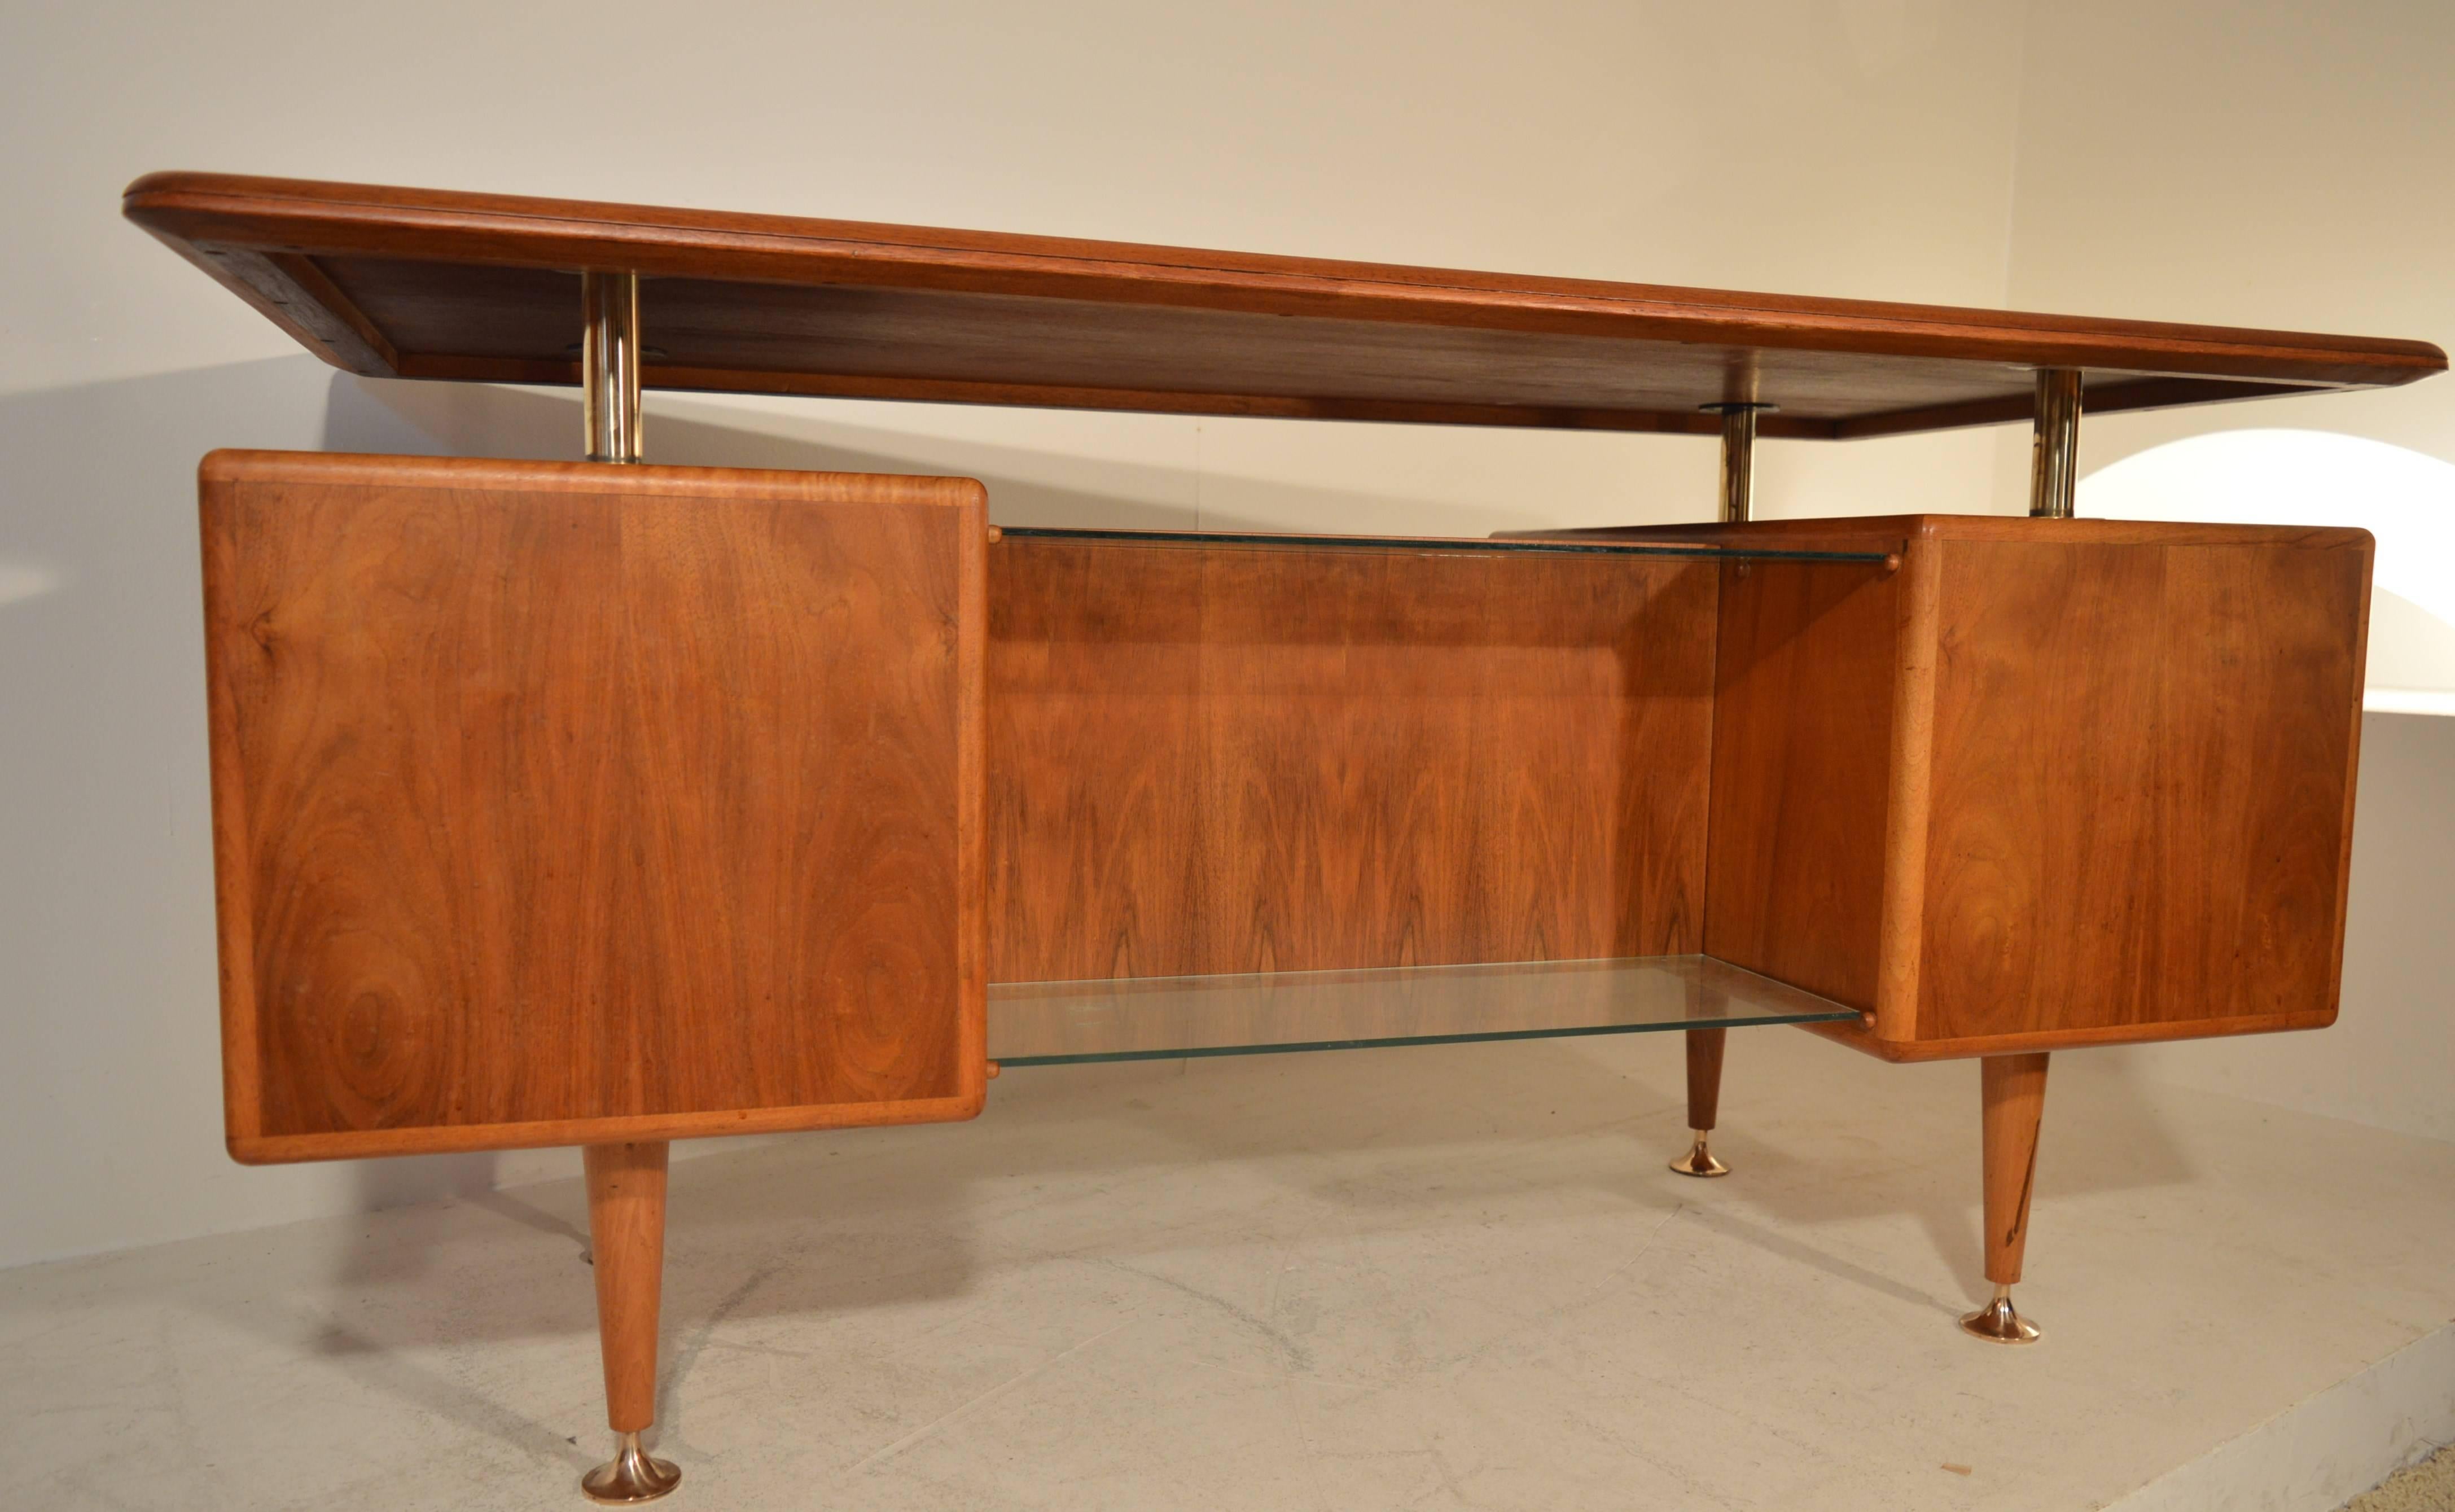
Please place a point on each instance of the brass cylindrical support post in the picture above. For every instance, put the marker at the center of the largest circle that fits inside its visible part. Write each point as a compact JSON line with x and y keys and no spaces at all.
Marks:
{"x":1738,"y":460}
{"x":2054,"y":460}
{"x":609,"y":365}
{"x":1739,"y":456}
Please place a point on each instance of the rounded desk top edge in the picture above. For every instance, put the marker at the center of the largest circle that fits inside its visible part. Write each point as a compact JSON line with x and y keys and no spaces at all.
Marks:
{"x":2136,"y":362}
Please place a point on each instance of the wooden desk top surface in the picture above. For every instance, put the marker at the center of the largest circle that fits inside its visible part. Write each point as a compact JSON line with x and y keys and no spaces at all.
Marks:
{"x":431,"y":284}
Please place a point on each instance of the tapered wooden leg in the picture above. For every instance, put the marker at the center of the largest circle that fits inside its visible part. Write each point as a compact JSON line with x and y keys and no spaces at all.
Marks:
{"x":626,"y":1230}
{"x":2014,"y":1088}
{"x":1704,"y":1100}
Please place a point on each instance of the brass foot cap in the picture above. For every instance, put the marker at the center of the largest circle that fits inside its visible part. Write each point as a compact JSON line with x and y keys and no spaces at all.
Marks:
{"x":632,"y":1476}
{"x":1997,"y":1323}
{"x":1700,"y":1162}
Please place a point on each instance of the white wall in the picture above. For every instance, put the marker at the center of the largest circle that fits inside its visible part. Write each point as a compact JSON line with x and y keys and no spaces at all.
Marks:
{"x":2244,"y":162}
{"x":1843,"y":147}
{"x":2285,"y":165}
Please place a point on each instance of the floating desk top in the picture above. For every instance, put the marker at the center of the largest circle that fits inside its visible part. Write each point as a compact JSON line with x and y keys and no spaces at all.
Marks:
{"x":429,"y":284}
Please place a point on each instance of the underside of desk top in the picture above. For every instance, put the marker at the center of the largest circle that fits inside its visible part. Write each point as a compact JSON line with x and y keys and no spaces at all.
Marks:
{"x":429,"y":284}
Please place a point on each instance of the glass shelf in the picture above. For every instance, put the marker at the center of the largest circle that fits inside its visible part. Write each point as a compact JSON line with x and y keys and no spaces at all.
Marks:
{"x":1430,"y":545}
{"x":1169,"y":1017}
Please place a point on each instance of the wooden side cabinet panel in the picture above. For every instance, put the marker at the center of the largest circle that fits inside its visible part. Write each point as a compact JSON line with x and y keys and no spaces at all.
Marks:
{"x":1805,"y":677}
{"x":2142,"y":783}
{"x":568,"y":804}
{"x":2052,"y":783}
{"x":1223,"y":760}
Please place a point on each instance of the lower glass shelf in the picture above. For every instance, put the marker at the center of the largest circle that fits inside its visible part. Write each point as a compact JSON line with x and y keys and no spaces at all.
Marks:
{"x":1167,"y":1017}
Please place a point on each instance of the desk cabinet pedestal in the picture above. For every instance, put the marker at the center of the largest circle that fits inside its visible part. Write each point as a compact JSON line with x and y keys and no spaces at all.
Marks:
{"x":609,"y":806}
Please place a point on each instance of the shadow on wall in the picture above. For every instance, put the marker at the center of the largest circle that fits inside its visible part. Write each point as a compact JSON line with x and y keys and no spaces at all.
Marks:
{"x":108,"y":933}
{"x":107,"y":954}
{"x":106,"y":895}
{"x":106,"y":892}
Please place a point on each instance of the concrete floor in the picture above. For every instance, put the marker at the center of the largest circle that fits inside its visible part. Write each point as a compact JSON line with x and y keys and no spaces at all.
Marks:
{"x":1434,"y":1278}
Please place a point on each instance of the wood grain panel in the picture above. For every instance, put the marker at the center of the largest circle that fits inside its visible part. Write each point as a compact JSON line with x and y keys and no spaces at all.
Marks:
{"x":2113,"y":777}
{"x":1211,"y":760}
{"x":1803,"y":725}
{"x":484,"y":287}
{"x":2142,"y":775}
{"x":1097,"y":820}
{"x":568,"y":804}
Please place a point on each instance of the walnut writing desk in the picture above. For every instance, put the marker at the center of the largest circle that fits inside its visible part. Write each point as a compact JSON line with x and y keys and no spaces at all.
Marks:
{"x":608,"y":805}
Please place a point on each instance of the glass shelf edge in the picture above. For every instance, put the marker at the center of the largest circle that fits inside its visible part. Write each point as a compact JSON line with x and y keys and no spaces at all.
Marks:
{"x":1635,"y":972}
{"x":1307,"y":1046}
{"x":1425,"y":545}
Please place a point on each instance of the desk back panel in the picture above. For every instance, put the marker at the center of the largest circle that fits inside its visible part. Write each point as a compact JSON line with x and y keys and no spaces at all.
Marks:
{"x":1223,"y":759}
{"x":565,"y":804}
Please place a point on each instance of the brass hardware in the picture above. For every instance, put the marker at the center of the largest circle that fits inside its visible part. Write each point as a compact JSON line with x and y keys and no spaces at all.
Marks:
{"x":2054,"y":457}
{"x":1700,"y":1162}
{"x":632,"y":1476}
{"x":1892,"y":563}
{"x":1997,"y":1323}
{"x":648,"y":352}
{"x":609,"y":365}
{"x":1739,"y":456}
{"x":996,"y":535}
{"x":994,"y":1069}
{"x":1738,"y":462}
